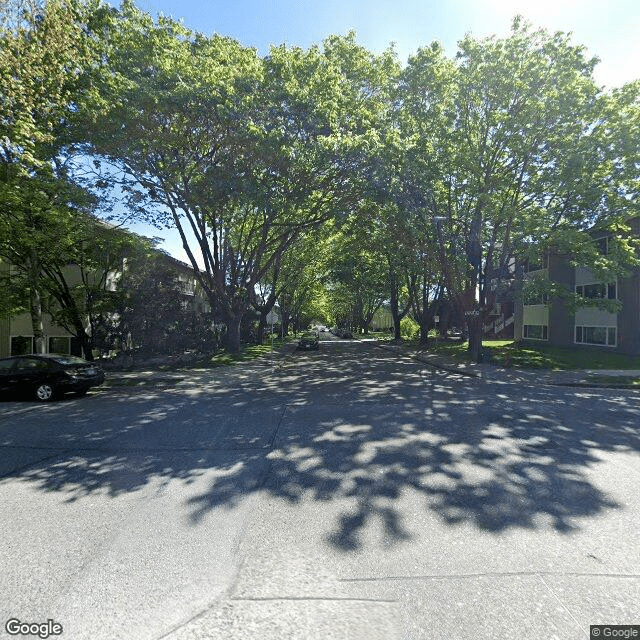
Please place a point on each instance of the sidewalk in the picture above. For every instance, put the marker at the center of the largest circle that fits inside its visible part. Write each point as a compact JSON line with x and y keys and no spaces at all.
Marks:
{"x":494,"y":373}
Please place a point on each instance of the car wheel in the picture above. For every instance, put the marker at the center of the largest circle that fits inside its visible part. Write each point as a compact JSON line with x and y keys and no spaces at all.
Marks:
{"x":44,"y":392}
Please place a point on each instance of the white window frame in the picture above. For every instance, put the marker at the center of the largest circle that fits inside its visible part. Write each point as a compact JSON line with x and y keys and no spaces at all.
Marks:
{"x":606,"y":285}
{"x":545,"y":329}
{"x":596,"y":344}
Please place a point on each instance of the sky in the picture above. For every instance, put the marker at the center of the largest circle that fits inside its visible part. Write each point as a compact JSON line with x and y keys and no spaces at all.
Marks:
{"x":609,"y":29}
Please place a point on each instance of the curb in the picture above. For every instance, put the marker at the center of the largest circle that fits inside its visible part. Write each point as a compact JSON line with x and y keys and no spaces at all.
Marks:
{"x":153,"y":378}
{"x":434,"y":365}
{"x":478,"y":374}
{"x":595,"y":385}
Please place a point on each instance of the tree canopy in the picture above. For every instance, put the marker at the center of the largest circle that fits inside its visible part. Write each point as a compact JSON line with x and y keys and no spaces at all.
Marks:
{"x":448,"y":171}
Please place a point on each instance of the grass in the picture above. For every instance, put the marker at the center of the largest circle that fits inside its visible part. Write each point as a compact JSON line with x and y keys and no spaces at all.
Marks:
{"x":220,"y":359}
{"x":558,"y":358}
{"x":620,"y":381}
{"x":250,"y":352}
{"x":508,"y":353}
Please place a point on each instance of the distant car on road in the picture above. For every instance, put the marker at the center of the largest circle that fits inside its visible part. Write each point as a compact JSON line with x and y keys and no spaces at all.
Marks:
{"x":309,"y":340}
{"x":45,"y":377}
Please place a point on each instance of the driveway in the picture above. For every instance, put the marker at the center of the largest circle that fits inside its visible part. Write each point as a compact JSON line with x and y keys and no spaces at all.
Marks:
{"x":350,"y":493}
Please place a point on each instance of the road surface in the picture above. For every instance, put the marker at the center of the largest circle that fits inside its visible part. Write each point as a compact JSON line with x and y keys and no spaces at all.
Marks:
{"x":350,"y":493}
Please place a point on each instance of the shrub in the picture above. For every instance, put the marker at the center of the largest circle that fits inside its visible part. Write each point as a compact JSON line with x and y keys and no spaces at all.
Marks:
{"x":409,"y":329}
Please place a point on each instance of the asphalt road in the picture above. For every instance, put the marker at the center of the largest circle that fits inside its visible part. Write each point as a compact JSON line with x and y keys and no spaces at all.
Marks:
{"x":349,"y":493}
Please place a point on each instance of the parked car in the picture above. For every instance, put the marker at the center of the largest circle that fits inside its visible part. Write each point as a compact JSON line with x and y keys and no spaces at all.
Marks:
{"x":309,"y":340}
{"x":47,"y":376}
{"x":346,"y":334}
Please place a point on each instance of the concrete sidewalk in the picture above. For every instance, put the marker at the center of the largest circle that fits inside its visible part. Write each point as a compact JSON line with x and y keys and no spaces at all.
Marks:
{"x":494,"y":373}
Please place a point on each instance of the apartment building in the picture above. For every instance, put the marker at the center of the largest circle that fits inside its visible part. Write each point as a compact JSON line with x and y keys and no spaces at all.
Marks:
{"x":554,"y":322}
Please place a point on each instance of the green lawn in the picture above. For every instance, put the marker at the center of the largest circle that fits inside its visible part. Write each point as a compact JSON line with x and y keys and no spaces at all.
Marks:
{"x":621,"y":381}
{"x":251,"y":352}
{"x":507,"y":353}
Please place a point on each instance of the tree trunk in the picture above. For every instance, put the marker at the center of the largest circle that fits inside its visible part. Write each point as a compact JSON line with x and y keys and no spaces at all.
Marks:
{"x":233,"y":334}
{"x":285,"y":325}
{"x":37,"y":324}
{"x":35,"y":306}
{"x":474,"y":326}
{"x":424,"y":333}
{"x":424,"y":319}
{"x":86,"y":343}
{"x":395,"y":308}
{"x":262,"y":323}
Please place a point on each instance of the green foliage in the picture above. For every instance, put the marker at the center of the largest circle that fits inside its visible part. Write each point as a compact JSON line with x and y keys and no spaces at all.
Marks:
{"x":43,"y":52}
{"x":245,"y":154}
{"x":431,"y":178}
{"x":409,"y":329}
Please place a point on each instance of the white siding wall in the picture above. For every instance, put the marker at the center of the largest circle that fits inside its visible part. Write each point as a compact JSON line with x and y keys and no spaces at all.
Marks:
{"x":536,"y":314}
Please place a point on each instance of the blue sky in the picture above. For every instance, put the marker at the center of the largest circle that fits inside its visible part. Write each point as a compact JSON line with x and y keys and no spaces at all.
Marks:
{"x":609,"y":29}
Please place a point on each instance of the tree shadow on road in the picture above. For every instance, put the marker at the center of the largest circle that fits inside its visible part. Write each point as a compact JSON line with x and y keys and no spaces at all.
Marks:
{"x":356,"y":438}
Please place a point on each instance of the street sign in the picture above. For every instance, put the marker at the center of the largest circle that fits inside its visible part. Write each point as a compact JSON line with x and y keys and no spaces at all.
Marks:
{"x":272,"y":317}
{"x":436,"y":319}
{"x":472,"y":313}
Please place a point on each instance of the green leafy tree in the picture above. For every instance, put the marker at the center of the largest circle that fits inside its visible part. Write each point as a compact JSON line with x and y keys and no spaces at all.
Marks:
{"x":511,"y":150}
{"x":84,"y":285}
{"x":241,"y":155}
{"x":356,"y":275}
{"x":44,"y":54}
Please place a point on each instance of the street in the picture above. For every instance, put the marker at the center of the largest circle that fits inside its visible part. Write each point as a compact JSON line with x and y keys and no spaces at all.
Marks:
{"x":348,"y":493}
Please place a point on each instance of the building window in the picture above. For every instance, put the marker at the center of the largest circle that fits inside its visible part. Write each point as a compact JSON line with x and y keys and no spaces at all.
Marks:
{"x":543,"y":298}
{"x":603,"y":245}
{"x":535,"y":331}
{"x":59,"y":345}
{"x":605,"y":336}
{"x":21,"y":345}
{"x":598,"y":291}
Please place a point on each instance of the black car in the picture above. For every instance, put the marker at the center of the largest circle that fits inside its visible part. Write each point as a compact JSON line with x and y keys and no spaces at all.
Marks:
{"x":47,"y":376}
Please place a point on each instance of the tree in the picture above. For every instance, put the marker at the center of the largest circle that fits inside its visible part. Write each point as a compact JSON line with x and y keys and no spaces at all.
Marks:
{"x":241,"y":155}
{"x":44,"y":52}
{"x":84,"y":284}
{"x":510,"y":146}
{"x":38,"y":223}
{"x":154,"y":313}
{"x":356,"y":275}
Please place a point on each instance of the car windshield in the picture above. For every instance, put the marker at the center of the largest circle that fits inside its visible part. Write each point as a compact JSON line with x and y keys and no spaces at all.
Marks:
{"x":67,"y":360}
